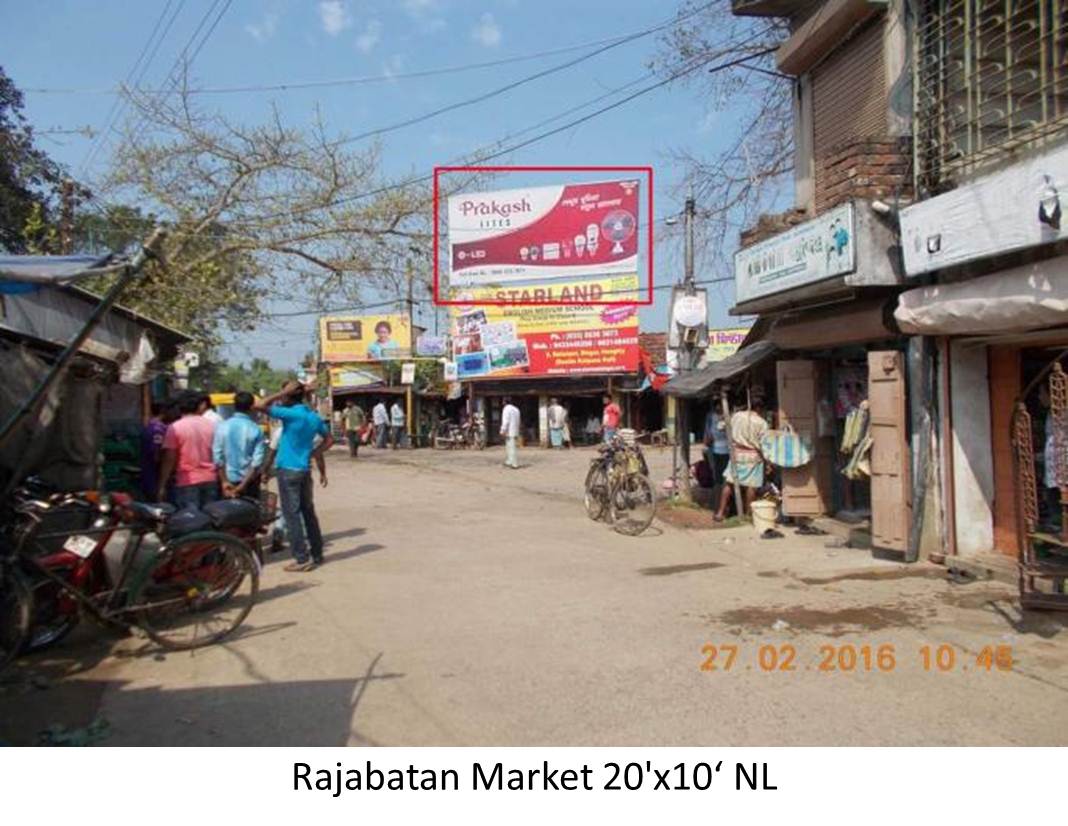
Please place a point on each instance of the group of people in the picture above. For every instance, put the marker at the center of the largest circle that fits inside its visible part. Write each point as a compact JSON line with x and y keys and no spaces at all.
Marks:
{"x":748,"y":426}
{"x":559,"y":426}
{"x":191,"y":457}
{"x":385,"y":426}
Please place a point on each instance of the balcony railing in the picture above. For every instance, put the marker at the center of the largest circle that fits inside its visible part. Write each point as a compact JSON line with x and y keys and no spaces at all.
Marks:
{"x":991,"y":77}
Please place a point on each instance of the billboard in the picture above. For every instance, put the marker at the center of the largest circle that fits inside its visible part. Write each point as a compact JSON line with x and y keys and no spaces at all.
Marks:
{"x":364,"y":338}
{"x":497,"y":341}
{"x":546,"y":232}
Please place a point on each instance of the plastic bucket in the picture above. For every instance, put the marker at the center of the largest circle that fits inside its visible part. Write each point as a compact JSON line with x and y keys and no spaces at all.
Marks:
{"x":764,"y":513}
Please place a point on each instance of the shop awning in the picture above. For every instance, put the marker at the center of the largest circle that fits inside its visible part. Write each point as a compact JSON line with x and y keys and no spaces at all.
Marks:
{"x":855,"y":322}
{"x":1031,"y":297}
{"x":699,"y":382}
{"x":21,"y":273}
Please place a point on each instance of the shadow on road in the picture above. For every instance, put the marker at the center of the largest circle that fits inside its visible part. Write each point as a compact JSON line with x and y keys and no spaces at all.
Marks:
{"x":359,"y":550}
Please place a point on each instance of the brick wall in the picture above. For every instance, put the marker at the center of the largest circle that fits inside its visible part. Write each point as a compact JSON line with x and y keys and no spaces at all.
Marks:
{"x":771,"y":225}
{"x":867,"y":169}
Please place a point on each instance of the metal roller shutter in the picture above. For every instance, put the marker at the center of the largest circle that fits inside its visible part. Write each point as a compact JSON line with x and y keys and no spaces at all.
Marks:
{"x":849,"y":92}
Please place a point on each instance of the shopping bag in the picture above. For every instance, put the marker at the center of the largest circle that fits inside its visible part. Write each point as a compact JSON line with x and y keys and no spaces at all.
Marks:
{"x":786,"y":448}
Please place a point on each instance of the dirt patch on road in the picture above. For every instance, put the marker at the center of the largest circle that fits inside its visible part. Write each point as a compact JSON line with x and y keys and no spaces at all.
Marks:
{"x":690,"y":518}
{"x":831,"y":623}
{"x":665,"y":570}
{"x":879,"y":575}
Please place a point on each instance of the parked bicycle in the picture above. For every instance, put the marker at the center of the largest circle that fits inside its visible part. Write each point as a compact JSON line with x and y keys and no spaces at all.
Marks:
{"x":194,"y":588}
{"x":618,"y":489}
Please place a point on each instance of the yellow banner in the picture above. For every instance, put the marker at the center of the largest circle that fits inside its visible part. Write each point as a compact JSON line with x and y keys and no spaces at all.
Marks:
{"x":364,"y":338}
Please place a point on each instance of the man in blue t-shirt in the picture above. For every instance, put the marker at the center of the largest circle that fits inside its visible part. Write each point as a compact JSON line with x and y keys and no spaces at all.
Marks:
{"x":300,"y":427}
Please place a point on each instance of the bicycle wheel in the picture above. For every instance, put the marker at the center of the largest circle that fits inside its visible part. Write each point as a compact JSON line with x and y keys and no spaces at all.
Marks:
{"x":16,"y":607}
{"x":596,"y":498}
{"x":633,"y":504}
{"x":53,"y":616}
{"x":198,"y":591}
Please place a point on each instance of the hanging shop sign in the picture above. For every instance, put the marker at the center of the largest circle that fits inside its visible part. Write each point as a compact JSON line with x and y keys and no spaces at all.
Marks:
{"x":810,"y":252}
{"x":427,"y":345}
{"x":352,"y":376}
{"x":408,"y":372}
{"x":529,"y":340}
{"x":724,"y":342}
{"x":543,"y":232}
{"x":364,"y":338}
{"x":689,"y":318}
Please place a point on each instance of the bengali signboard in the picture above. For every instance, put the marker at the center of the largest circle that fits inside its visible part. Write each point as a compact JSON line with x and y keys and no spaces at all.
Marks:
{"x":352,"y":376}
{"x":725,"y":342}
{"x":547,"y":232}
{"x":429,"y":346}
{"x":810,"y":252}
{"x":364,"y":338}
{"x":494,"y":341}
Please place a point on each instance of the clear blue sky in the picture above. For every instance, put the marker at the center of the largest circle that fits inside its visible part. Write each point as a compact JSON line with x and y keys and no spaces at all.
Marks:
{"x":92,"y":45}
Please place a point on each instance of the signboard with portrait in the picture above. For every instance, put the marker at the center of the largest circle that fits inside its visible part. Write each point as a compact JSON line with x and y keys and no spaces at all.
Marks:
{"x":364,"y":338}
{"x":545,"y":232}
{"x":821,"y":248}
{"x":494,"y":341}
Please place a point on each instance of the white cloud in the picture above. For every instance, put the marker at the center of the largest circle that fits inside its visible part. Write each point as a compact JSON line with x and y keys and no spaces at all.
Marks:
{"x":264,"y":29}
{"x":393,"y":65}
{"x":425,"y":13}
{"x":370,"y":36}
{"x":487,"y":32}
{"x":334,"y":16}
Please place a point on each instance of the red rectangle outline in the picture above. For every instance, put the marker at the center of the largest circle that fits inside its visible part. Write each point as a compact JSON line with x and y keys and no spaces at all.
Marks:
{"x":438,"y":302}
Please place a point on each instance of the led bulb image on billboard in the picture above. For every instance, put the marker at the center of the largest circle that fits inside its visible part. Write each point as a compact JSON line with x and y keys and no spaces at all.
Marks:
{"x":541,"y":232}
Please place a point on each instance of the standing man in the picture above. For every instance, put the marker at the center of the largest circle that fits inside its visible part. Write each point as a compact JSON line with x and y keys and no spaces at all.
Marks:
{"x":717,"y":446}
{"x":748,"y":427}
{"x":557,"y":423}
{"x":397,"y":420}
{"x":380,"y":417}
{"x":300,"y":426}
{"x":510,"y":424}
{"x":208,"y":411}
{"x":152,"y":435}
{"x":610,"y":418}
{"x":354,"y":420}
{"x":239,"y":449}
{"x":187,"y":454}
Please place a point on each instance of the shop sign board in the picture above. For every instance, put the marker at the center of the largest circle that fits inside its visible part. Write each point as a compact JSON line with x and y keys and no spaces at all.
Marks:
{"x":364,"y":338}
{"x":810,"y":252}
{"x":428,"y":345}
{"x":408,"y":372}
{"x":546,"y":232}
{"x":352,"y":376}
{"x":495,"y":341}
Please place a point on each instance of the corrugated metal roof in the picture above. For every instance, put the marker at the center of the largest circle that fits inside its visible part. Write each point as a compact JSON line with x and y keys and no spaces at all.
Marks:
{"x":699,"y":382}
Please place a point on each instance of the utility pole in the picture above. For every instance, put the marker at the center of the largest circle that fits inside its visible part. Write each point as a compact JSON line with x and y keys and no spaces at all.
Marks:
{"x":686,"y":351}
{"x":411,"y":354}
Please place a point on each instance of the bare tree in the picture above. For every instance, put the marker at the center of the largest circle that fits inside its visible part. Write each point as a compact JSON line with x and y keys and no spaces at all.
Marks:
{"x":259,"y":212}
{"x":735,"y":184}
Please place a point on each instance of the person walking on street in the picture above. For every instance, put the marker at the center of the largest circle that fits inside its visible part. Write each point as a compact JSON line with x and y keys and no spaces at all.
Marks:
{"x":397,"y":421}
{"x":380,"y":417}
{"x":354,"y":419}
{"x":300,"y":427}
{"x":239,"y":450}
{"x":510,"y":425}
{"x":187,"y":454}
{"x":557,"y":423}
{"x":610,"y":418}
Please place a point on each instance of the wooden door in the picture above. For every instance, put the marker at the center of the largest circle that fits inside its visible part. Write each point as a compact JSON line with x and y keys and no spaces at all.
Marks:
{"x":891,"y":489}
{"x":805,"y":490}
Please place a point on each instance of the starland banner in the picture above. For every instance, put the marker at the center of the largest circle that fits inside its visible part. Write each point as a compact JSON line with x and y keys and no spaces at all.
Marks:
{"x":495,"y":341}
{"x":543,"y":232}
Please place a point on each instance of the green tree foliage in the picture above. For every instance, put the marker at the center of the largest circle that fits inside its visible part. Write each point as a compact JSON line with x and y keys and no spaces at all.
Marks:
{"x":222,"y":377}
{"x":30,"y":181}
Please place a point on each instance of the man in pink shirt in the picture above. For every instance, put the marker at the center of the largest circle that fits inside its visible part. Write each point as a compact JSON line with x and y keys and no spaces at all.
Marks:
{"x":610,"y":418}
{"x":187,"y":454}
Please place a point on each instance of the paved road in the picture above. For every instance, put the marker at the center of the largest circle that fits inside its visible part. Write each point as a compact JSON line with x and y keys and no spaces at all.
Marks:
{"x":463,"y":603}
